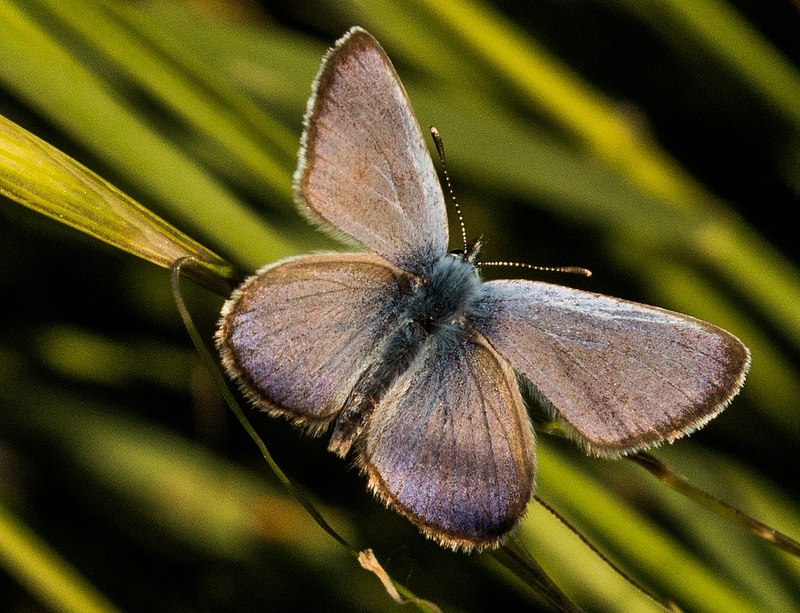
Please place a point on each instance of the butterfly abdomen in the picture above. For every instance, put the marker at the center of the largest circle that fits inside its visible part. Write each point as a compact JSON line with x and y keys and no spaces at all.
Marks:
{"x":398,"y":354}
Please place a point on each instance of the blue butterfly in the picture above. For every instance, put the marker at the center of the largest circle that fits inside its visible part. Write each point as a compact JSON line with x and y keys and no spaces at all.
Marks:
{"x":413,"y":361}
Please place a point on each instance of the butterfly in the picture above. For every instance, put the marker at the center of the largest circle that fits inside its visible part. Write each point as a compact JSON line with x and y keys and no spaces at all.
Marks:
{"x":413,"y":363}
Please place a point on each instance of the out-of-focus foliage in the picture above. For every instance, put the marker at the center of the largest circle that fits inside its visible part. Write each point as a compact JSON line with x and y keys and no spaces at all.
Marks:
{"x":656,"y":143}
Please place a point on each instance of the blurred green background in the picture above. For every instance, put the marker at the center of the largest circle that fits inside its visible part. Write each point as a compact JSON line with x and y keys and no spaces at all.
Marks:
{"x":655,"y":142}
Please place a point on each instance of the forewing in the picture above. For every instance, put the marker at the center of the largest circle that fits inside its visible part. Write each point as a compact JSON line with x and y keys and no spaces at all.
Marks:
{"x":298,"y":333}
{"x":622,"y":375}
{"x":364,"y":167}
{"x":450,"y":445}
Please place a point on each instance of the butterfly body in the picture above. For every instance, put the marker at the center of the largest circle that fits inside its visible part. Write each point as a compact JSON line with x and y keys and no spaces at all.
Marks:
{"x":435,"y":305}
{"x":412,"y":361}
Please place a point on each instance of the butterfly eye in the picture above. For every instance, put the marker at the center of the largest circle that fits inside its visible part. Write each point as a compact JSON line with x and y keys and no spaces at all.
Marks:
{"x":469,"y":256}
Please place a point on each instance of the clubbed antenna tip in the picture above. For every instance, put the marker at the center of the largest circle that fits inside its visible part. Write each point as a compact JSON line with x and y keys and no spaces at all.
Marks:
{"x":572,"y":270}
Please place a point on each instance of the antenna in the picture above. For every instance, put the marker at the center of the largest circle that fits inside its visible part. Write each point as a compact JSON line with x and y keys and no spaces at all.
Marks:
{"x":572,"y":270}
{"x":437,"y":139}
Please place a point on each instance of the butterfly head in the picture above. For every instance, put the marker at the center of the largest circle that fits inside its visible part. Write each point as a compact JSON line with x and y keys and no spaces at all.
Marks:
{"x":470,"y":254}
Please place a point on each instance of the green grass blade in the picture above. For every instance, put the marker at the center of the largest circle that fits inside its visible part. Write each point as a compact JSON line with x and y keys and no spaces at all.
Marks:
{"x":42,"y":71}
{"x":49,"y":577}
{"x":168,"y":73}
{"x":659,"y":559}
{"x":530,"y":139}
{"x":42,"y":178}
{"x":718,"y":27}
{"x":550,"y":85}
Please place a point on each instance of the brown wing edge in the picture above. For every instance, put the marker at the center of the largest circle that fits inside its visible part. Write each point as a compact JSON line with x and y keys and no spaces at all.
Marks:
{"x":313,"y":424}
